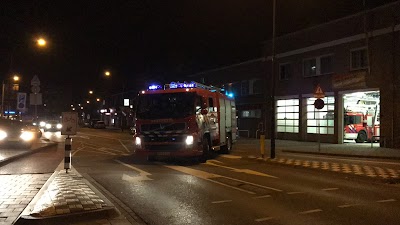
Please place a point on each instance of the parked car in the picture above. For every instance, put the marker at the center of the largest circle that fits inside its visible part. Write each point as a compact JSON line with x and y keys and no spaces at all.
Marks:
{"x":99,"y":125}
{"x":17,"y":134}
{"x":52,"y":125}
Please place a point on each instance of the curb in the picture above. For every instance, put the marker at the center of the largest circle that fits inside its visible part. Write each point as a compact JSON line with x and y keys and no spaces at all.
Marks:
{"x":106,"y":212}
{"x":343,"y":155}
{"x":32,"y":151}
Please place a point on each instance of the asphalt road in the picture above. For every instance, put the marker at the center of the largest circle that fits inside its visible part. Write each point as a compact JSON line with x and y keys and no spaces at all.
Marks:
{"x":230,"y":189}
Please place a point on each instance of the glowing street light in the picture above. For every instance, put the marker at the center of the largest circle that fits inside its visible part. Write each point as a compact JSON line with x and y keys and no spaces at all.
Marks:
{"x":91,"y":92}
{"x":41,"y":42}
{"x":97,"y":99}
{"x":87,"y":101}
{"x":16,"y":78}
{"x":107,"y":73}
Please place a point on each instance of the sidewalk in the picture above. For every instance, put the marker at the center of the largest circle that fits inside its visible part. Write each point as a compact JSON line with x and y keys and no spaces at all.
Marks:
{"x":363,"y":150}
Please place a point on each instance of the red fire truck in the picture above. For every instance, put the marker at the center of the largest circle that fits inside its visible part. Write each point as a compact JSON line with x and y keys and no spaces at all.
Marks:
{"x":184,"y":120}
{"x":361,"y":123}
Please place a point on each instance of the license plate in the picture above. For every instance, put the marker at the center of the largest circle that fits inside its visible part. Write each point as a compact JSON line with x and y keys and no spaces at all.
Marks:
{"x":163,"y":153}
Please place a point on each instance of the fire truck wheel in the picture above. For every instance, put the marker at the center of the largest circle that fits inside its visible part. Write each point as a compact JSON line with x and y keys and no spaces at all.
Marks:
{"x":361,"y":137}
{"x":226,"y":149}
{"x":206,"y":150}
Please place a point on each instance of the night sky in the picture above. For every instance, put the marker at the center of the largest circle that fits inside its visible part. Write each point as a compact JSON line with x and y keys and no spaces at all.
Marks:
{"x":139,"y":40}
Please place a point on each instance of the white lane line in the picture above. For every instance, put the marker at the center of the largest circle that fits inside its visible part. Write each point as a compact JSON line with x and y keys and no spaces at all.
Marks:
{"x":99,"y":152}
{"x":263,"y":196}
{"x":295,"y":193}
{"x":223,"y":201}
{"x":263,"y":219}
{"x":124,"y":145}
{"x":76,"y":151}
{"x":215,"y":161}
{"x":141,"y":172}
{"x":386,"y":200}
{"x":252,"y":172}
{"x":347,"y":205}
{"x":310,"y":211}
{"x":330,"y":189}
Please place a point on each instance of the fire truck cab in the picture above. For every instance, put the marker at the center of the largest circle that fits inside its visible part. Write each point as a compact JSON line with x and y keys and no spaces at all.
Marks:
{"x":184,"y":120}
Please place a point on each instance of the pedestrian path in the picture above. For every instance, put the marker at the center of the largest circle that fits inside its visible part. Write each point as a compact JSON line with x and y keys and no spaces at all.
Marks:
{"x":16,"y":191}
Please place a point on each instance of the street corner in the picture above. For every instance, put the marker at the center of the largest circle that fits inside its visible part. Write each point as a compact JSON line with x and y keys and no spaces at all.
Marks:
{"x":68,"y":195}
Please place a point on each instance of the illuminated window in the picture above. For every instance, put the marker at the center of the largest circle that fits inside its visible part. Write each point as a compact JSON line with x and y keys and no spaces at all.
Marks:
{"x":321,"y":120}
{"x":287,"y":115}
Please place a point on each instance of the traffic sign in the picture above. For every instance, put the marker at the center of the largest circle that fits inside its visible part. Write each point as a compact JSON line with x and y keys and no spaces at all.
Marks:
{"x":69,"y":123}
{"x":21,"y":101}
{"x":319,"y":103}
{"x":35,"y":81}
{"x":35,"y":89}
{"x":318,"y":92}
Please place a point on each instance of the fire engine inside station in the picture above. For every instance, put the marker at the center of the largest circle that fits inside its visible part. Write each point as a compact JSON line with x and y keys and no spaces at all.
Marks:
{"x":361,"y":117}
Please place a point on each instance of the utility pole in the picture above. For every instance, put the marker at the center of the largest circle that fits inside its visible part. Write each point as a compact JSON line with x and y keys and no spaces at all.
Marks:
{"x":273,"y":83}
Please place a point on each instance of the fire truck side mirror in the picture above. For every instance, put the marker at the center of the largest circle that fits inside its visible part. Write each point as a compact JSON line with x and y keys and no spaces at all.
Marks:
{"x":204,"y":111}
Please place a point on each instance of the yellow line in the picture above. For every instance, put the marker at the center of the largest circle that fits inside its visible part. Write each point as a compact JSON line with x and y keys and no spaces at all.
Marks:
{"x":264,"y":219}
{"x":124,"y":145}
{"x":223,"y":201}
{"x":311,"y":211}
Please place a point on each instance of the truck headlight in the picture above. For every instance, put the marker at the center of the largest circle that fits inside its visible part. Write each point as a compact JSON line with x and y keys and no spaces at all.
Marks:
{"x":27,"y":136}
{"x":59,"y":126}
{"x":138,"y":141}
{"x":189,"y":140}
{"x":3,"y":135}
{"x":48,"y":126}
{"x":42,"y":124}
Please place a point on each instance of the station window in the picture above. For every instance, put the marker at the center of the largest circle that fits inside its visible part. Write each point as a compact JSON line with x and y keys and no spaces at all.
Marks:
{"x":255,"y":113}
{"x":318,"y":66}
{"x":287,"y":115}
{"x":359,"y":59}
{"x":321,"y":121}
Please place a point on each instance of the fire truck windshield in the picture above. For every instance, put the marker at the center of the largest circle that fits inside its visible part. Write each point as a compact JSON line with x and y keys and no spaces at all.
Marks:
{"x":165,"y":105}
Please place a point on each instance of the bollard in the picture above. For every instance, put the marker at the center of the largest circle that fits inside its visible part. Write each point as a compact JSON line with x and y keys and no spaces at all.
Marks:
{"x":262,"y":144}
{"x":67,"y":158}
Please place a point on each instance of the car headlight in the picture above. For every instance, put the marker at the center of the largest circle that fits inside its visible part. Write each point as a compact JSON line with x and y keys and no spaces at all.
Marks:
{"x":59,"y":126}
{"x":3,"y":134}
{"x":42,"y":124}
{"x":138,"y":141}
{"x":189,"y":140}
{"x":48,"y":126}
{"x":27,"y":136}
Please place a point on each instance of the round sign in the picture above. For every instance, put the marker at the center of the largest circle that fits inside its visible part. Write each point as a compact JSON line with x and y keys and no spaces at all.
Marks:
{"x":319,"y":103}
{"x":35,"y":89}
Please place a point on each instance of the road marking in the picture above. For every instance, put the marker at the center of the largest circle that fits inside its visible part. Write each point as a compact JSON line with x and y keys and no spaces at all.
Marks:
{"x":252,"y":172}
{"x":76,"y":151}
{"x":263,"y":196}
{"x":386,"y":200}
{"x":223,"y":201}
{"x":231,"y":156}
{"x":295,"y":193}
{"x":310,"y":211}
{"x":330,"y":189}
{"x":263,"y":219}
{"x":141,"y":172}
{"x":216,"y":161}
{"x":124,"y":145}
{"x":347,"y":205}
{"x":209,"y":176}
{"x":355,"y":160}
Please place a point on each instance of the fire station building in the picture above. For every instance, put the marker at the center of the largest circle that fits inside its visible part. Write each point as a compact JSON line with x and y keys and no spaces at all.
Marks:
{"x":355,"y":60}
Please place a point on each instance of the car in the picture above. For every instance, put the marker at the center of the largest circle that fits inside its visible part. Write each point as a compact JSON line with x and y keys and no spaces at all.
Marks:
{"x":99,"y":125}
{"x":52,"y":125}
{"x":17,"y":134}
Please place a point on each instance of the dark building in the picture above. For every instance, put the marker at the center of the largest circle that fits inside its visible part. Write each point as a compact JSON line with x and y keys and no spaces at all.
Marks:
{"x":352,"y":59}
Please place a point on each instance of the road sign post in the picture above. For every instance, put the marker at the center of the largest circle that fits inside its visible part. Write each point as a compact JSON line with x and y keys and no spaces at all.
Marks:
{"x":69,"y":127}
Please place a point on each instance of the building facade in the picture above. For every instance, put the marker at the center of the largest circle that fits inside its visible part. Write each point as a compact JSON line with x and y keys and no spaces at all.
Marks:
{"x":351,"y":59}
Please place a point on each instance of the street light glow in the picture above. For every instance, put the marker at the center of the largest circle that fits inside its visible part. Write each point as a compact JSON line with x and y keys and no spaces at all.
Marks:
{"x":87,"y":101}
{"x":107,"y":73}
{"x":41,"y":42}
{"x":98,"y":99}
{"x":90,"y":92}
{"x":16,"y":78}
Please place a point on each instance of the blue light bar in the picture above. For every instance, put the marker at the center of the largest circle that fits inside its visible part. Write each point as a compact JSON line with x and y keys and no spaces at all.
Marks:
{"x":155,"y":87}
{"x":229,"y":94}
{"x":174,"y":85}
{"x":9,"y":112}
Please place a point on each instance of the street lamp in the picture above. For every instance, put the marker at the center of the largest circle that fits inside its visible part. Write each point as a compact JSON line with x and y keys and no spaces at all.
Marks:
{"x":107,"y":73}
{"x":91,"y":92}
{"x":41,"y":42}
